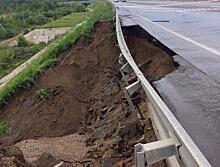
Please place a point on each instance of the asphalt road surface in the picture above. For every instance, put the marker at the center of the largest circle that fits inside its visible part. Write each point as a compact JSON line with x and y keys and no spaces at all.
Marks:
{"x":192,"y":92}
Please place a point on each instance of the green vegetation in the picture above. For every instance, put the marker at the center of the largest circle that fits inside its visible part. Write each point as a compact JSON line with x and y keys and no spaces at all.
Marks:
{"x":3,"y":128}
{"x":12,"y":57}
{"x":42,"y":94}
{"x":102,"y":11}
{"x":17,"y":16}
{"x":22,"y":42}
{"x":68,"y":21}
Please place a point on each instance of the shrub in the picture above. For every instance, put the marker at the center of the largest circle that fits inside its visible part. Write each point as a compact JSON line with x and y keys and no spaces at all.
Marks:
{"x":3,"y":128}
{"x":22,"y":42}
{"x":42,"y":94}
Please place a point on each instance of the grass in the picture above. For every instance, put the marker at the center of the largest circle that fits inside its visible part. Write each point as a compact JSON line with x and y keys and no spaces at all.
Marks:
{"x":3,"y":128}
{"x":101,"y":11}
{"x":42,"y":94}
{"x":29,"y":14}
{"x":68,"y":21}
{"x":12,"y":57}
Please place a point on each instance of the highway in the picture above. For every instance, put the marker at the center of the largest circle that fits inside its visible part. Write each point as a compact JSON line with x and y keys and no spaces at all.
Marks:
{"x":192,"y":91}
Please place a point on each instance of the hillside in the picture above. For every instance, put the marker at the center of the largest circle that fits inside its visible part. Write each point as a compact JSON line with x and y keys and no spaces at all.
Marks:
{"x":22,"y":16}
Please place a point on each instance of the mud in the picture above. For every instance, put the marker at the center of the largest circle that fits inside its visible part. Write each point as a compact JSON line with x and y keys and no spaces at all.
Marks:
{"x":71,"y":85}
{"x":152,"y":57}
{"x":85,"y":121}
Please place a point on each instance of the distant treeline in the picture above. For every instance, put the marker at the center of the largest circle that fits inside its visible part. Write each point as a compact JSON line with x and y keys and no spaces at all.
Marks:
{"x":27,"y":1}
{"x":18,"y":16}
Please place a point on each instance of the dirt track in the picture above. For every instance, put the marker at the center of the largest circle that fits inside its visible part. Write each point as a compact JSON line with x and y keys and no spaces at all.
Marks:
{"x":38,"y":35}
{"x":85,"y":102}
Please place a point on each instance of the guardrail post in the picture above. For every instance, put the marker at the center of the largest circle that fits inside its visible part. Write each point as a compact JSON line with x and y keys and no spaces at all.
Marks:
{"x":128,"y":92}
{"x":139,"y":156}
{"x":121,"y":59}
{"x":155,"y":151}
{"x":126,"y":68}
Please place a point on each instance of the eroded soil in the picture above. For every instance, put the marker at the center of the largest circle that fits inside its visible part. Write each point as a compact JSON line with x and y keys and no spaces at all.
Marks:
{"x":72,"y":85}
{"x":153,"y":58}
{"x":85,"y":121}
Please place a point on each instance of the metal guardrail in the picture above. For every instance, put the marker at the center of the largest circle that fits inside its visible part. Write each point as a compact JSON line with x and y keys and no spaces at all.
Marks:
{"x":174,"y":144}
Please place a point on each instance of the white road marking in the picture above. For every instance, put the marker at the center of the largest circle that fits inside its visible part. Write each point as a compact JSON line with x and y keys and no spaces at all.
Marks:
{"x":173,"y":9}
{"x":201,"y":9}
{"x":170,"y":3}
{"x":188,"y":3}
{"x":212,"y":50}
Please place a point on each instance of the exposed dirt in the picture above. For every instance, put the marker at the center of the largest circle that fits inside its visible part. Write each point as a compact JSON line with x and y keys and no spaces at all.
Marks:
{"x":71,"y":85}
{"x":12,"y":156}
{"x":69,"y":148}
{"x":85,"y":121}
{"x":153,"y":59}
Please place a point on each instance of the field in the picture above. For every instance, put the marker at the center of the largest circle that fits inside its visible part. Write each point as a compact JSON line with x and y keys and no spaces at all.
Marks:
{"x":68,"y":21}
{"x":12,"y":57}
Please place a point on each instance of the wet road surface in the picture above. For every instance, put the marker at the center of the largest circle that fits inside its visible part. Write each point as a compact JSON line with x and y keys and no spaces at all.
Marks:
{"x":192,"y":92}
